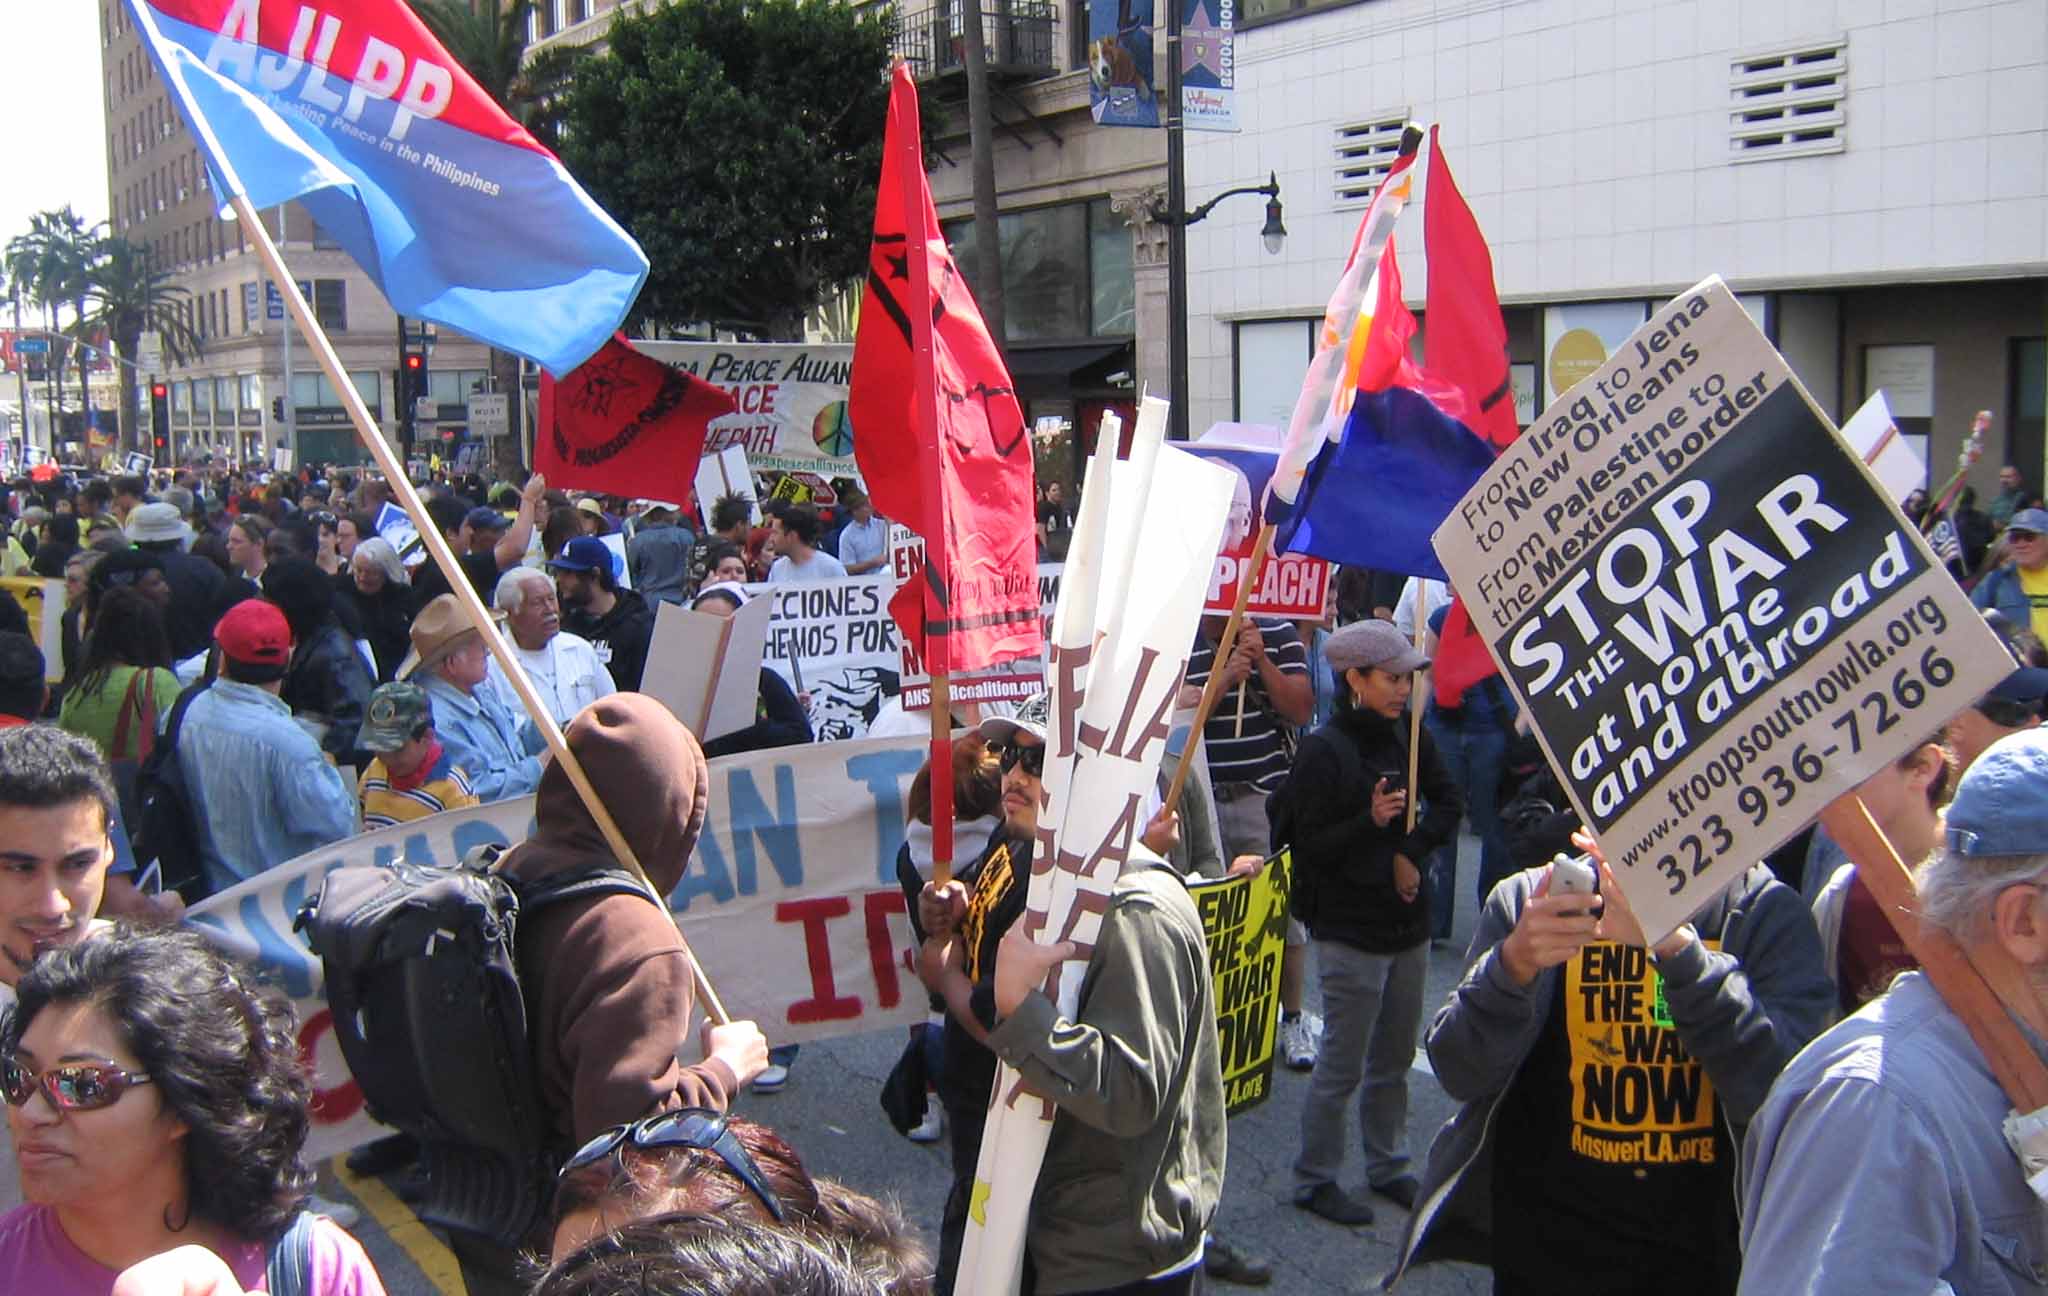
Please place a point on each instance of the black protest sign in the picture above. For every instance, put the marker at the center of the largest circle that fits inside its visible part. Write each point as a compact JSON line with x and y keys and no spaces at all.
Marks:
{"x":1715,"y":615}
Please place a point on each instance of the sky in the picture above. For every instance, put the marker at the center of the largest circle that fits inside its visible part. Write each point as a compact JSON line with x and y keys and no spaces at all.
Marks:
{"x":53,"y":145}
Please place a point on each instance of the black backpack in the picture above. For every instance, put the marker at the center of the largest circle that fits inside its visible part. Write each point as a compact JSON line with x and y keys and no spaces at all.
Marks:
{"x":423,"y":979}
{"x":166,"y":828}
{"x":1282,"y":812}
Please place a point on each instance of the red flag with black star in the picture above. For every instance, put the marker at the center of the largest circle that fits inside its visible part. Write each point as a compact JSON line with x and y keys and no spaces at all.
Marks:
{"x":937,"y":430}
{"x":624,"y":423}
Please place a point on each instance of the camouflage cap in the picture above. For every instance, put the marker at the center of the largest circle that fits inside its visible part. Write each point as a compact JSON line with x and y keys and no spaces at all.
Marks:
{"x":395,"y":714}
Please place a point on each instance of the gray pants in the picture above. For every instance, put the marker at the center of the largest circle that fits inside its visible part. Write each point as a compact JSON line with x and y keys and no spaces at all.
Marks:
{"x":1372,"y":1010}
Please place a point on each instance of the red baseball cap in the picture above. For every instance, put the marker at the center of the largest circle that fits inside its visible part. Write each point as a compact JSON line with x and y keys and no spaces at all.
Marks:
{"x":254,"y":633}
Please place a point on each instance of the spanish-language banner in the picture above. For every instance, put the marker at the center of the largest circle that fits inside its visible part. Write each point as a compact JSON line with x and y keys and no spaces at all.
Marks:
{"x":835,"y":641}
{"x":1120,"y":63}
{"x":792,"y":400}
{"x":1290,"y":585}
{"x":1717,"y":618}
{"x":1246,"y":919}
{"x":1208,"y":64}
{"x":790,"y":903}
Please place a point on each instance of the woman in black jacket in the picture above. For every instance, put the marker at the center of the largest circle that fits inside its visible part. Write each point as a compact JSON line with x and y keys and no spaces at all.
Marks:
{"x":1359,"y":888}
{"x":381,"y":599}
{"x":327,"y":684}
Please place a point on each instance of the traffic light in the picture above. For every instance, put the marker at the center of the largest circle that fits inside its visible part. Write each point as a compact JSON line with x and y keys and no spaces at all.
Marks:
{"x":415,"y":377}
{"x":160,"y":418}
{"x":277,"y":408}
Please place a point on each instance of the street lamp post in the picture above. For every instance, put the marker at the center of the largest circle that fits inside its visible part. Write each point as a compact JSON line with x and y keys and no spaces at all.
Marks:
{"x":1176,"y":220}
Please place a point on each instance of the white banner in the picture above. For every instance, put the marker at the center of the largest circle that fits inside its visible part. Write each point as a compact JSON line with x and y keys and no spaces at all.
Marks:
{"x":1142,"y":553}
{"x":790,"y":903}
{"x":835,"y":641}
{"x":792,"y":400}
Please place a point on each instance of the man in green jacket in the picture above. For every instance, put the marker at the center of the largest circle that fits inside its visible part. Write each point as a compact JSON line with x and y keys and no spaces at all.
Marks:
{"x":1135,"y":1164}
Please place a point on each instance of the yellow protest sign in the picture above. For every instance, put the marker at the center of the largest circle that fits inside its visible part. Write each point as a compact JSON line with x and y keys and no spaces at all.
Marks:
{"x":791,"y":490}
{"x":1245,"y":919}
{"x":43,"y":601}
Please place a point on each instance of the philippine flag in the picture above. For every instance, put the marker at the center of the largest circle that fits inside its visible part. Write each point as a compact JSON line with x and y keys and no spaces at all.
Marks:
{"x":1371,"y":490}
{"x":353,"y":108}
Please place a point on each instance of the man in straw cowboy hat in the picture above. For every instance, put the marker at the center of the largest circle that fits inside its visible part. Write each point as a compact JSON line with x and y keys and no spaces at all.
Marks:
{"x":498,"y":748}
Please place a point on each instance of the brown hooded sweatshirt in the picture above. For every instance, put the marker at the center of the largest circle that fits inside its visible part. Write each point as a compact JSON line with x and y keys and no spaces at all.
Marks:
{"x":613,"y":993}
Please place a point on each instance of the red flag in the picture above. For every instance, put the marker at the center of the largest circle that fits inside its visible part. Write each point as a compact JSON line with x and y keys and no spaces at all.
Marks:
{"x":1467,"y":345}
{"x":938,"y":432}
{"x":624,"y":423}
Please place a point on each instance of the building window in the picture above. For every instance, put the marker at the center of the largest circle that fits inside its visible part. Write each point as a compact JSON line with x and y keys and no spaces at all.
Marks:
{"x":1365,"y":150}
{"x":330,"y":304}
{"x":1789,"y":102}
{"x":202,"y":396}
{"x":181,"y":396}
{"x":1272,"y":359}
{"x":252,"y":391}
{"x":1066,"y":271}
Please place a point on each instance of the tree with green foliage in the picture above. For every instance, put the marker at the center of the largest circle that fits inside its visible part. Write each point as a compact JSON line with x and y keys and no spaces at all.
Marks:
{"x":740,"y":142}
{"x":52,"y":262}
{"x":128,"y":295}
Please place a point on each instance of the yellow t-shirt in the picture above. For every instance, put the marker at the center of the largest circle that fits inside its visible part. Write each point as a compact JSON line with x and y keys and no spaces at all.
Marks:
{"x":2035,"y":583}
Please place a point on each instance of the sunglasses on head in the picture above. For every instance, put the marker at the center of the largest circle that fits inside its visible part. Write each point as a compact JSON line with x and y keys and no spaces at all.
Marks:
{"x":697,"y":1128}
{"x":1013,"y":753}
{"x":75,"y":1086}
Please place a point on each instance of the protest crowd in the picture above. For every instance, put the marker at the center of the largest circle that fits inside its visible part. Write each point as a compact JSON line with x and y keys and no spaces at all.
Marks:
{"x":261,"y":641}
{"x":429,"y":821}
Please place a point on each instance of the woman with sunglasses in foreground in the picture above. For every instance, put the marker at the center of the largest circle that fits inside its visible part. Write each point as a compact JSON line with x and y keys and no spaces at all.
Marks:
{"x":704,"y":1163}
{"x":156,"y":1101}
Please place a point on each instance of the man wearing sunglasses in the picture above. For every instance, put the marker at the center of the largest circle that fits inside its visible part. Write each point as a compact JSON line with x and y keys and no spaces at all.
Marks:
{"x":965,"y":920}
{"x":2019,"y":586}
{"x":56,"y":801}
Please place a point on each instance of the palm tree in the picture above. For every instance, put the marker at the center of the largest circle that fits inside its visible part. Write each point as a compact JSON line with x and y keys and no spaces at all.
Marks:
{"x":129,"y":296}
{"x":488,"y":37}
{"x":53,"y":262}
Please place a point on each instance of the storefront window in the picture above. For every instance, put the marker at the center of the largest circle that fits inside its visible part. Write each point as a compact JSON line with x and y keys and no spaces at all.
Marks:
{"x":1066,"y":271}
{"x":1114,"y":290}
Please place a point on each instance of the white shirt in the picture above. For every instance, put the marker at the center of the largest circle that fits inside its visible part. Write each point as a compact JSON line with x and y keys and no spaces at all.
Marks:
{"x":1435,"y":594}
{"x":565,"y":671}
{"x":821,"y":566}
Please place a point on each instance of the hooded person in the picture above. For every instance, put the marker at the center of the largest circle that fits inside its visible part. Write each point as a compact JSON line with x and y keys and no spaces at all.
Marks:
{"x":608,"y":976}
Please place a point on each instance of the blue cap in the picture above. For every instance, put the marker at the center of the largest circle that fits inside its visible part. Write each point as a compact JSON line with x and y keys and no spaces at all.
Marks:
{"x":2001,"y":805}
{"x":484,"y":519}
{"x":582,"y":554}
{"x":2027,"y":685}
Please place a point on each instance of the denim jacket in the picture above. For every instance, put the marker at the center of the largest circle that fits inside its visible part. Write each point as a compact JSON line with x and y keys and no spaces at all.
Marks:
{"x":262,"y":791}
{"x":496,"y":747}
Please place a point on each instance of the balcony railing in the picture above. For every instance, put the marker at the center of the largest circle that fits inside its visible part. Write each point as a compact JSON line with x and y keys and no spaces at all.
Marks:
{"x":1022,"y":37}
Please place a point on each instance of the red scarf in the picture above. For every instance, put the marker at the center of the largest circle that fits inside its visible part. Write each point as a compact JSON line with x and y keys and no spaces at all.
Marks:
{"x":420,"y":774}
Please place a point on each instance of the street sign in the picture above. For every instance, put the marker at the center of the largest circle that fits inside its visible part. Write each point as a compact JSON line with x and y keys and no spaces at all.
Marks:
{"x":149,"y":352}
{"x":490,"y":414}
{"x":31,"y":346}
{"x":273,"y":300}
{"x":426,"y":409}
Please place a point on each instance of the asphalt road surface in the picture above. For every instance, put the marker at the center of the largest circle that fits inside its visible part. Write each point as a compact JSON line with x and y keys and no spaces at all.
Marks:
{"x":829,"y":1112}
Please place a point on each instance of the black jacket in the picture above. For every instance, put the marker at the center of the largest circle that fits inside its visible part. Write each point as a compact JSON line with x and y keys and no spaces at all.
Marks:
{"x":196,"y":589}
{"x":329,"y":682}
{"x":385,"y":620}
{"x":1342,"y":855}
{"x":779,"y":721}
{"x":621,"y":637}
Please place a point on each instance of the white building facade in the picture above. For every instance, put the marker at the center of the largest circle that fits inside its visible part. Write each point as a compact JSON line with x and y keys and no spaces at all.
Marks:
{"x":1870,"y":175}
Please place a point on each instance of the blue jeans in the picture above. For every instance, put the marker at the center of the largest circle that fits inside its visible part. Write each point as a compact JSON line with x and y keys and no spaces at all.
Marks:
{"x":1474,"y":757}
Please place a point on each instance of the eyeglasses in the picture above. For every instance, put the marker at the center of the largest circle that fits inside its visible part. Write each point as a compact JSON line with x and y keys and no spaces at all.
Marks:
{"x":2018,"y":536}
{"x":76,"y":1086}
{"x":1032,"y":758}
{"x":697,"y":1128}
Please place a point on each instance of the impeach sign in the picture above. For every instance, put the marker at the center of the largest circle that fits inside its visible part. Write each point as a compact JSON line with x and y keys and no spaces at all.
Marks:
{"x":1716,"y":617}
{"x":1245,"y":919}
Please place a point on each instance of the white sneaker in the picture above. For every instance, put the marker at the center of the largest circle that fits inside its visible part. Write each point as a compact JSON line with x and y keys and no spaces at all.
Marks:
{"x":772,"y":1077}
{"x":932,"y":1128}
{"x":344,"y":1215}
{"x":1298,"y":1042}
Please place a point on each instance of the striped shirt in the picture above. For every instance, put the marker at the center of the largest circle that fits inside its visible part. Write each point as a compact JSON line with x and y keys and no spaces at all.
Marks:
{"x":444,"y":788}
{"x":1249,"y":752}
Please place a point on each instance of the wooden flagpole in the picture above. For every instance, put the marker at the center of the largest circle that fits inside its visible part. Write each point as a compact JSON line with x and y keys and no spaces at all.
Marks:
{"x":437,"y":548}
{"x":1416,"y":700}
{"x":1212,"y":689}
{"x":2019,"y":1071}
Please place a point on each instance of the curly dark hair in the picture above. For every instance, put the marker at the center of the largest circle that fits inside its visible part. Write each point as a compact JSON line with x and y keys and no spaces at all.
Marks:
{"x":222,"y":1055}
{"x":128,"y":630}
{"x":685,"y":1254}
{"x":41,"y":765}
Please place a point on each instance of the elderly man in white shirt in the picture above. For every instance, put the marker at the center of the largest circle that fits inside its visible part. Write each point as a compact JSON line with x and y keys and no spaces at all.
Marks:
{"x":563,"y":666}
